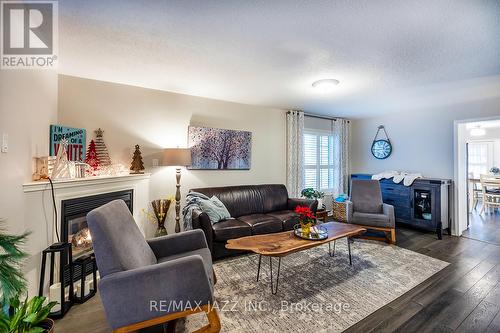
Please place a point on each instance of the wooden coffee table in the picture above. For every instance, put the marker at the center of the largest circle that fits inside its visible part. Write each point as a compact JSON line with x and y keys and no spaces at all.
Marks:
{"x":284,"y":243}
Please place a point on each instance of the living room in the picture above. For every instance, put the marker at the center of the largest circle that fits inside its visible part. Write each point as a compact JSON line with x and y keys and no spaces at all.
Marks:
{"x":323,"y":96}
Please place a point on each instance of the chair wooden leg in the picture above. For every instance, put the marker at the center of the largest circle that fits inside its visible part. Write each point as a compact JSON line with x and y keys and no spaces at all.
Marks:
{"x":212,"y":327}
{"x":393,"y":236}
{"x":213,"y":322}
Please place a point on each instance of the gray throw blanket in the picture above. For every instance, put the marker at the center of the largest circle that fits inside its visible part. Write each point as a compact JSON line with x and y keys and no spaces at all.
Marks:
{"x":192,"y":203}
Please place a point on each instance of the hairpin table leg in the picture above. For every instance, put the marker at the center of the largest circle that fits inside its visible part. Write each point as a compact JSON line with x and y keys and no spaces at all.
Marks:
{"x":332,"y":254}
{"x":258,"y":269}
{"x":274,"y":291}
{"x":349,"y":248}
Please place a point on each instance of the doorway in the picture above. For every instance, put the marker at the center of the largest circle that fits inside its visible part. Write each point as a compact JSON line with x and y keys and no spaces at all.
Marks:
{"x":479,"y":189}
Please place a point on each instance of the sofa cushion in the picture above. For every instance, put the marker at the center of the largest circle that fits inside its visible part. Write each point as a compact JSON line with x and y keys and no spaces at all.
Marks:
{"x":262,"y":223}
{"x":274,"y":197}
{"x":215,"y":209}
{"x":239,"y":200}
{"x":288,"y":218}
{"x":229,"y":229}
{"x":372,"y":220}
{"x":205,"y":255}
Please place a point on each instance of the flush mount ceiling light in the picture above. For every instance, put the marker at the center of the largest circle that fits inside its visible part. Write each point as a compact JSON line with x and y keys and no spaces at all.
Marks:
{"x":477,"y":131}
{"x":325,"y":85}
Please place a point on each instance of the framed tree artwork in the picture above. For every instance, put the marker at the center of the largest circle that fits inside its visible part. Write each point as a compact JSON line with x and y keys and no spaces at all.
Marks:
{"x":219,"y":149}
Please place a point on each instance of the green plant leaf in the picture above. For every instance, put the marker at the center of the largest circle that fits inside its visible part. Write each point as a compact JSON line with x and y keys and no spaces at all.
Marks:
{"x":12,"y":281}
{"x":30,"y":318}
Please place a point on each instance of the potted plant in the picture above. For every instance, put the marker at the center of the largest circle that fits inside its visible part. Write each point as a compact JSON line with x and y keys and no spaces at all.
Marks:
{"x":311,"y":193}
{"x":307,"y":219}
{"x":29,"y":316}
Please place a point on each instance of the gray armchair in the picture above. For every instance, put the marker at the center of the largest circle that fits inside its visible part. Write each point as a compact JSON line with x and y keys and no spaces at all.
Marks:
{"x":145,"y":283}
{"x":367,"y":209}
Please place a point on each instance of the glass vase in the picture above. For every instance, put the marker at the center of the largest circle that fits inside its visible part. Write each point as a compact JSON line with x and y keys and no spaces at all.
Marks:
{"x":306,"y":229}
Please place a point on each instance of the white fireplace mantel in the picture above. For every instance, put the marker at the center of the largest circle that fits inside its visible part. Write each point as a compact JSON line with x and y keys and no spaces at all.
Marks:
{"x":82,"y":182}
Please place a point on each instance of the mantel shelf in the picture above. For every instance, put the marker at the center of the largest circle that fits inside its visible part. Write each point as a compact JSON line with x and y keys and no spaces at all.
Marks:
{"x":78,"y":182}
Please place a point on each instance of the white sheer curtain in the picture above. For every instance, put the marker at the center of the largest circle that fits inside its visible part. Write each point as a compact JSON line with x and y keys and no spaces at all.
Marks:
{"x":294,"y":152}
{"x":341,"y":137}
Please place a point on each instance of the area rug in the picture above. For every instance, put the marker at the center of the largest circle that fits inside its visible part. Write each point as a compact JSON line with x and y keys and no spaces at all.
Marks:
{"x":316,"y":291}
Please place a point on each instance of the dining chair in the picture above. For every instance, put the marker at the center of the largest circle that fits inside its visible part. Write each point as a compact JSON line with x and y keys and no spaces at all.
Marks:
{"x":477,"y":192}
{"x":490,"y":186}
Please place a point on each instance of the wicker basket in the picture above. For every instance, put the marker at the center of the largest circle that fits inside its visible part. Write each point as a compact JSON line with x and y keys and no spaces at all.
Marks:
{"x":339,"y":211}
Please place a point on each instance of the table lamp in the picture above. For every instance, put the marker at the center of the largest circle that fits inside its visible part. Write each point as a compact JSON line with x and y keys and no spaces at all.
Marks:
{"x":177,"y":157}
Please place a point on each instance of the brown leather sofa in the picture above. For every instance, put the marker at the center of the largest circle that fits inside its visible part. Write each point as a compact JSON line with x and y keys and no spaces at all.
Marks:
{"x":254,"y":209}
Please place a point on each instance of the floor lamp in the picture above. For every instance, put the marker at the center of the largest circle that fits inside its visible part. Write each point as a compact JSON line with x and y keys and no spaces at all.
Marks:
{"x":178,"y":157}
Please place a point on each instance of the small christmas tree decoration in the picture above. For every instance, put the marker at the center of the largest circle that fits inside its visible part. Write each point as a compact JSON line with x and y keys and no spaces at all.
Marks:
{"x":61,"y":165}
{"x":101,"y":149}
{"x":91,"y":158}
{"x":137,"y":165}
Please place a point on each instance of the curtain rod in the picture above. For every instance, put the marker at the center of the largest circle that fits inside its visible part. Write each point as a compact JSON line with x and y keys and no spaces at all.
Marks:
{"x":322,"y":117}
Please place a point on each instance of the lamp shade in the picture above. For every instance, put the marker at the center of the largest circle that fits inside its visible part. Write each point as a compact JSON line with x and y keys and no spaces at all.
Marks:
{"x":177,"y":157}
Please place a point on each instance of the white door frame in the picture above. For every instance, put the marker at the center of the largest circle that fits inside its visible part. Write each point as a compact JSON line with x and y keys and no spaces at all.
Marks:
{"x":460,"y":177}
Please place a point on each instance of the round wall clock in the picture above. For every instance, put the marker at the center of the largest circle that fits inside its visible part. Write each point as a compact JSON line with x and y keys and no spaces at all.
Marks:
{"x":381,"y":148}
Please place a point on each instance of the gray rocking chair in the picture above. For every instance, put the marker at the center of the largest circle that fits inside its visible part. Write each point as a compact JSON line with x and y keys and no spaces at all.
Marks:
{"x":140,"y":279}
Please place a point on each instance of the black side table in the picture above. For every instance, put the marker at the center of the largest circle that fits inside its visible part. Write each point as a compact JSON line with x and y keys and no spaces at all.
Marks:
{"x":65,"y":275}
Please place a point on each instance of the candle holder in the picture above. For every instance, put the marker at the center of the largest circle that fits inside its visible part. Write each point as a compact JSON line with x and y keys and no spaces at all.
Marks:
{"x":65,"y":275}
{"x":84,"y":267}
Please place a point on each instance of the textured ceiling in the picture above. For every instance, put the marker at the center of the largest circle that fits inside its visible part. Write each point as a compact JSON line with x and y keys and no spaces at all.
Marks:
{"x":388,"y":55}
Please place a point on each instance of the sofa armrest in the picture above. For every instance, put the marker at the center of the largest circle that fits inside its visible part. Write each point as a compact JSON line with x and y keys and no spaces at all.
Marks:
{"x":201,"y":221}
{"x":148,"y":292}
{"x":178,"y":243}
{"x":311,"y":203}
{"x":389,"y":211}
{"x":349,"y":207}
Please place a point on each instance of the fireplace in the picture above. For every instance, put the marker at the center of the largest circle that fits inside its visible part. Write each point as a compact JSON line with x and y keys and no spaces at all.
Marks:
{"x":74,"y":227}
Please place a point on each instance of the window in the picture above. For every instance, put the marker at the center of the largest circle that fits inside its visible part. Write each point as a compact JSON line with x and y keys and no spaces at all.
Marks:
{"x":318,"y":161}
{"x":480,"y":158}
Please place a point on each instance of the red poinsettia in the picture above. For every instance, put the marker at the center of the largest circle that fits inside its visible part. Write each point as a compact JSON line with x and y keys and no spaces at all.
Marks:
{"x":305,"y":214}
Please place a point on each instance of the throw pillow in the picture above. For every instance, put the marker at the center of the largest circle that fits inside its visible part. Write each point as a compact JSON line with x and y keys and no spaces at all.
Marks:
{"x":215,"y":209}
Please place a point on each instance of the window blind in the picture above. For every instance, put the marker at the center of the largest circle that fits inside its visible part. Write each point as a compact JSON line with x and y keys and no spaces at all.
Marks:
{"x":318,"y":160}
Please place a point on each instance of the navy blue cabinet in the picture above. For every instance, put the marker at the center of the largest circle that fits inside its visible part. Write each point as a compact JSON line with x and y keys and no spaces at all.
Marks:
{"x":424,"y":204}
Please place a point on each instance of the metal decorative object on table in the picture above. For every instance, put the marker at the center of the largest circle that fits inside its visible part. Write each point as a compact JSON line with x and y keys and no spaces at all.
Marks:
{"x":316,"y":233}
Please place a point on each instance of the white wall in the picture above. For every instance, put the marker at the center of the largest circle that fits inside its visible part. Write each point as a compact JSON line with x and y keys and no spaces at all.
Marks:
{"x":422,"y":140}
{"x":28,"y":105}
{"x":157,"y":119}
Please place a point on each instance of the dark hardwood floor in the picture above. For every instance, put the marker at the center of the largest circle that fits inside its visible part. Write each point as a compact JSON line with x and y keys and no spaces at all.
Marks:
{"x":485,"y":227}
{"x":463,"y":297}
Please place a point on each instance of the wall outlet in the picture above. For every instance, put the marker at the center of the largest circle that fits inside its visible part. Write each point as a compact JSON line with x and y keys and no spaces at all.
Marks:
{"x":156,"y":162}
{"x":5,"y":143}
